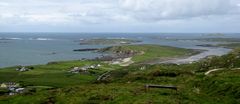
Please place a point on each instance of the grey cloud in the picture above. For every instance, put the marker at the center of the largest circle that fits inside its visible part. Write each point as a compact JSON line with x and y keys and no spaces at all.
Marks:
{"x":111,"y":11}
{"x":176,"y":9}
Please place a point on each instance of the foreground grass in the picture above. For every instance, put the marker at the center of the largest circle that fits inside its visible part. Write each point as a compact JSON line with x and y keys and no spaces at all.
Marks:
{"x":220,"y":87}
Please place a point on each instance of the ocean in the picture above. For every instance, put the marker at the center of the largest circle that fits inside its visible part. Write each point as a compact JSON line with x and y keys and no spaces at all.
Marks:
{"x":41,"y":48}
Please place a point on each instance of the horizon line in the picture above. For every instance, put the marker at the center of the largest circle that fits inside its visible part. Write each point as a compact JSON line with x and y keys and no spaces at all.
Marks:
{"x":137,"y":32}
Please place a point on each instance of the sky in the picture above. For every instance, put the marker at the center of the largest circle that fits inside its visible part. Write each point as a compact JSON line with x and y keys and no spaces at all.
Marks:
{"x":185,"y":16}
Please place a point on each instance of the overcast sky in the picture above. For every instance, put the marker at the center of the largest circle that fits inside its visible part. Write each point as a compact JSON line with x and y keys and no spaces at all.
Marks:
{"x":119,"y":15}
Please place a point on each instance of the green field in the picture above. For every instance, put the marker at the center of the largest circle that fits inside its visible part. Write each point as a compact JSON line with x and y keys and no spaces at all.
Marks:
{"x":55,"y":74}
{"x":52,"y":84}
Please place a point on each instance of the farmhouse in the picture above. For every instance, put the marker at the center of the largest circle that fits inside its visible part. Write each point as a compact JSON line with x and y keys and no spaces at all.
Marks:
{"x":13,"y":88}
{"x":23,"y":69}
{"x":84,"y":68}
{"x":9,"y":85}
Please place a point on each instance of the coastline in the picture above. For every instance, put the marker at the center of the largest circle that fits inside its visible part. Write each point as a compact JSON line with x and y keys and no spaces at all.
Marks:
{"x":195,"y":58}
{"x":168,"y":60}
{"x":164,"y":60}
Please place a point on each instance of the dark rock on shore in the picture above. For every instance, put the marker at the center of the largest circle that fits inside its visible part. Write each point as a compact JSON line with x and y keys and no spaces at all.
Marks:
{"x":87,"y":49}
{"x":206,"y":45}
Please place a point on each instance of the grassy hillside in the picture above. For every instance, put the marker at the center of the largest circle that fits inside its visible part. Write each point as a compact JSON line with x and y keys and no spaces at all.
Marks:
{"x":54,"y":74}
{"x":126,"y":85}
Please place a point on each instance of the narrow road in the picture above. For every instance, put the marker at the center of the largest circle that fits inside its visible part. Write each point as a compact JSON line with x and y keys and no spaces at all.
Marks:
{"x":213,"y":70}
{"x":103,"y":76}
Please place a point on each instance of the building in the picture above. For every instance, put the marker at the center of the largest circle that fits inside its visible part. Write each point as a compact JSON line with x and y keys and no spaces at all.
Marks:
{"x":84,"y":68}
{"x":23,"y":69}
{"x":9,"y":85}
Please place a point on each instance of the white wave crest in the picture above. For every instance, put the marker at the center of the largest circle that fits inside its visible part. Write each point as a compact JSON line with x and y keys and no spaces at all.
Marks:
{"x":40,"y":39}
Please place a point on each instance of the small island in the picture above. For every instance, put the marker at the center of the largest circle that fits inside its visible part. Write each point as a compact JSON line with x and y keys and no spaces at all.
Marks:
{"x":108,"y":41}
